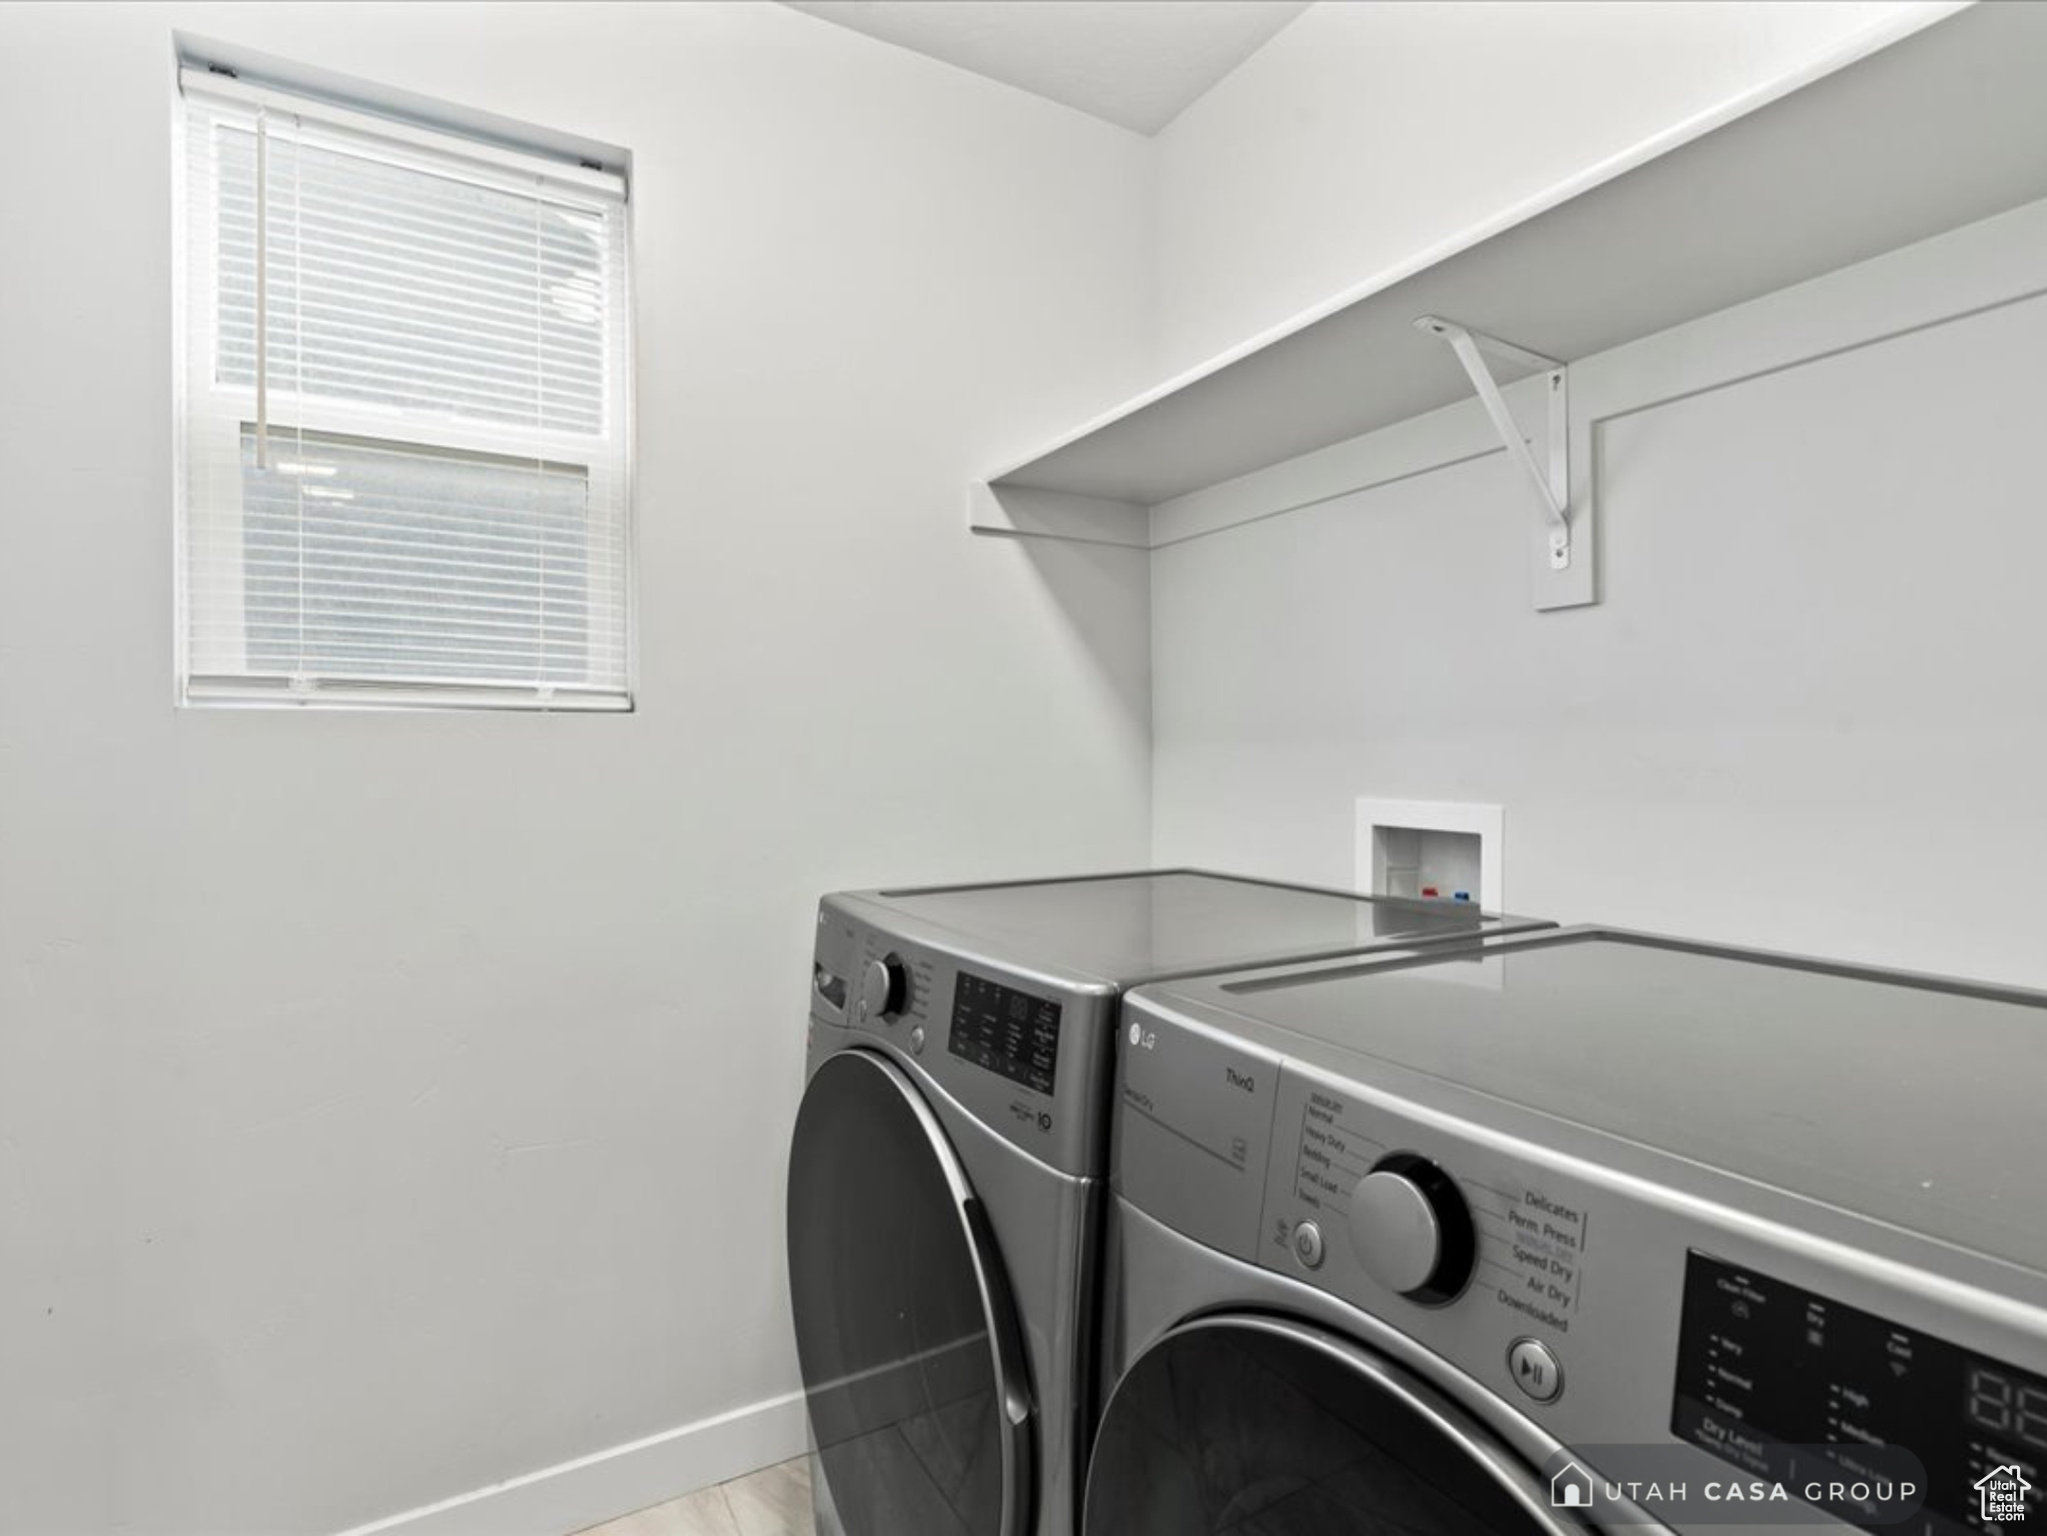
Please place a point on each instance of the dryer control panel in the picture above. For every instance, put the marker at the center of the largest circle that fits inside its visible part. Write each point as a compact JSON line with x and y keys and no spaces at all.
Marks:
{"x":1481,"y":1251}
{"x":1766,"y":1368}
{"x":1528,"y":1244}
{"x":1332,"y":1183}
{"x":1658,"y":1321}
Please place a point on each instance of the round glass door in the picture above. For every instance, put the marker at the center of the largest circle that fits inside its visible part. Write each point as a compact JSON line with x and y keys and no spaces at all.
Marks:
{"x":904,"y":1328}
{"x":1255,"y":1426}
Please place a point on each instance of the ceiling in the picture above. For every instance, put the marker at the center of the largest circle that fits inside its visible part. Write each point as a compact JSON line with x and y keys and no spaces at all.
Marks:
{"x":1137,"y":63}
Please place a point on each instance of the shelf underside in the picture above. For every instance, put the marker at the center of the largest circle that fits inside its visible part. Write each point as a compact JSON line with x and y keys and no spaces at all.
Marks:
{"x":1939,"y":130}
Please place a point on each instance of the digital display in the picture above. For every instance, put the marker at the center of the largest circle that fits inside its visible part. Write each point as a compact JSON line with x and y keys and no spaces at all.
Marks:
{"x":1765,"y":1366}
{"x":1005,"y":1031}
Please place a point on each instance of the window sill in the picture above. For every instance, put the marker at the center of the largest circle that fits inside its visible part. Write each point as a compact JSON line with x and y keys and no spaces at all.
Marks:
{"x":379,"y":694}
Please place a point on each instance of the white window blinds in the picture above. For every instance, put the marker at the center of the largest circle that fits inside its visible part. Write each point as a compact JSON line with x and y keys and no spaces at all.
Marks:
{"x":404,"y":410}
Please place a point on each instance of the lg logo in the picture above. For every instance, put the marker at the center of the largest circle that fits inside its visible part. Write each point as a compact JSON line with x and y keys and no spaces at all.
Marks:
{"x":1142,"y":1039}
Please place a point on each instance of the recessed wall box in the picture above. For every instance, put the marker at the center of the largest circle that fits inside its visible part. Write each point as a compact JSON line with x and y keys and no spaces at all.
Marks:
{"x":1431,"y":850}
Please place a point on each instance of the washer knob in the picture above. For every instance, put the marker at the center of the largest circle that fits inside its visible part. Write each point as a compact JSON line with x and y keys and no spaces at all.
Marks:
{"x":884,"y":987}
{"x":1412,"y":1230}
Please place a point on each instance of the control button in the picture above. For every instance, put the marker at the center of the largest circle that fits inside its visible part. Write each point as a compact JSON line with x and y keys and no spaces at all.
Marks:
{"x":1412,"y":1230}
{"x":1535,"y":1369}
{"x":1308,"y":1244}
{"x":917,"y":1041}
{"x":884,"y":987}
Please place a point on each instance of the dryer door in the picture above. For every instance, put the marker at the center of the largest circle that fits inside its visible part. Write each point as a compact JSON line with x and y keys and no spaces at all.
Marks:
{"x":912,"y":1360}
{"x":1257,"y":1426}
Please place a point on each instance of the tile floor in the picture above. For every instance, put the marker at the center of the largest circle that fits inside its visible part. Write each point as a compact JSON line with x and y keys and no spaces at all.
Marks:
{"x":771,"y":1502}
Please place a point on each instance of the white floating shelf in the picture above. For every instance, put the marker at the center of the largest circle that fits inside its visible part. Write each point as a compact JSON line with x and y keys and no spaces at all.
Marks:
{"x":1865,"y":154}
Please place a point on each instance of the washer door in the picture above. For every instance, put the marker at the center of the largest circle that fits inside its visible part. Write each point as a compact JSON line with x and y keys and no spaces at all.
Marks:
{"x":907,"y":1337}
{"x":1257,"y":1426}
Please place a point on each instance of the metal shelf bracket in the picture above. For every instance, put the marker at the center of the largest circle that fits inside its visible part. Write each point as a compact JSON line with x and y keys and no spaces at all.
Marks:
{"x":1552,"y":486}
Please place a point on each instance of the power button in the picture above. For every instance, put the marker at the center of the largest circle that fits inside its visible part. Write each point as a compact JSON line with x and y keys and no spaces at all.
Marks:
{"x":1535,"y":1370}
{"x":1308,"y":1244}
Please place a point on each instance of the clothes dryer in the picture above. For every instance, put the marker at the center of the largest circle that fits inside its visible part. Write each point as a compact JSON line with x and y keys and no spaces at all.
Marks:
{"x":1579,"y":1228}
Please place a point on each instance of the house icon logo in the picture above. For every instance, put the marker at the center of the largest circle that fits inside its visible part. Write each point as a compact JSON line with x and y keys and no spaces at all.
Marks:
{"x":2003,"y":1491}
{"x":1571,"y":1488}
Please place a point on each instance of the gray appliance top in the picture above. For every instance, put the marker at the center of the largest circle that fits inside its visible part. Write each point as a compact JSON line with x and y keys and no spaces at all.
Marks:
{"x":1126,"y":929}
{"x":1915,"y":1101}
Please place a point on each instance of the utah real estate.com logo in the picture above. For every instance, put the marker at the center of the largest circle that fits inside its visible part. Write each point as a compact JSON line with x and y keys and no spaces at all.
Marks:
{"x":2004,"y":1491}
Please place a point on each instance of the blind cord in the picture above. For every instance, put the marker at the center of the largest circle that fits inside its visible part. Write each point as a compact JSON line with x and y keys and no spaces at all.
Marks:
{"x":541,"y":680}
{"x":298,"y":364}
{"x":262,"y":288}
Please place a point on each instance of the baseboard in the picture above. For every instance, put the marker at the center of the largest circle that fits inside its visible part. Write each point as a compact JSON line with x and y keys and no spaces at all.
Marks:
{"x":574,"y":1494}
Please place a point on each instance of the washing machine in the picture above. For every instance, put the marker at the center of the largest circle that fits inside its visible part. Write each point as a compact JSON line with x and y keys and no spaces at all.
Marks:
{"x":945,"y":1191}
{"x":1576,"y":1230}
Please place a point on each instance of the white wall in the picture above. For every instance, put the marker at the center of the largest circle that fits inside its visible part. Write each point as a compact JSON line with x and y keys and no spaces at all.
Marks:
{"x":1365,"y":134}
{"x":395,"y":1103}
{"x":1807,"y":714}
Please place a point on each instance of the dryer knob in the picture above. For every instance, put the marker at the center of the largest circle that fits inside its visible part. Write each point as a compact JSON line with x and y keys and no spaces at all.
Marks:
{"x":1412,"y":1230}
{"x":884,"y":987}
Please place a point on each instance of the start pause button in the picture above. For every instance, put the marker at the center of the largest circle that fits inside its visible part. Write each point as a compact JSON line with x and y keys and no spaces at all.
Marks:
{"x":1535,"y":1369}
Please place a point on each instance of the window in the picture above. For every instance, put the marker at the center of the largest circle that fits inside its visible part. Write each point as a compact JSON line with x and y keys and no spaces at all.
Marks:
{"x":404,"y":412}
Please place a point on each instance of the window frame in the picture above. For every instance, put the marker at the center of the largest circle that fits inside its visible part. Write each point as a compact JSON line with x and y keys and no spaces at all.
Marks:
{"x":207,"y":409}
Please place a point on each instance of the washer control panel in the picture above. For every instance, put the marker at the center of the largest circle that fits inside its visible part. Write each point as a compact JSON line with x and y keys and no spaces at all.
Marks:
{"x":1005,"y":1030}
{"x":1026,"y":1056}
